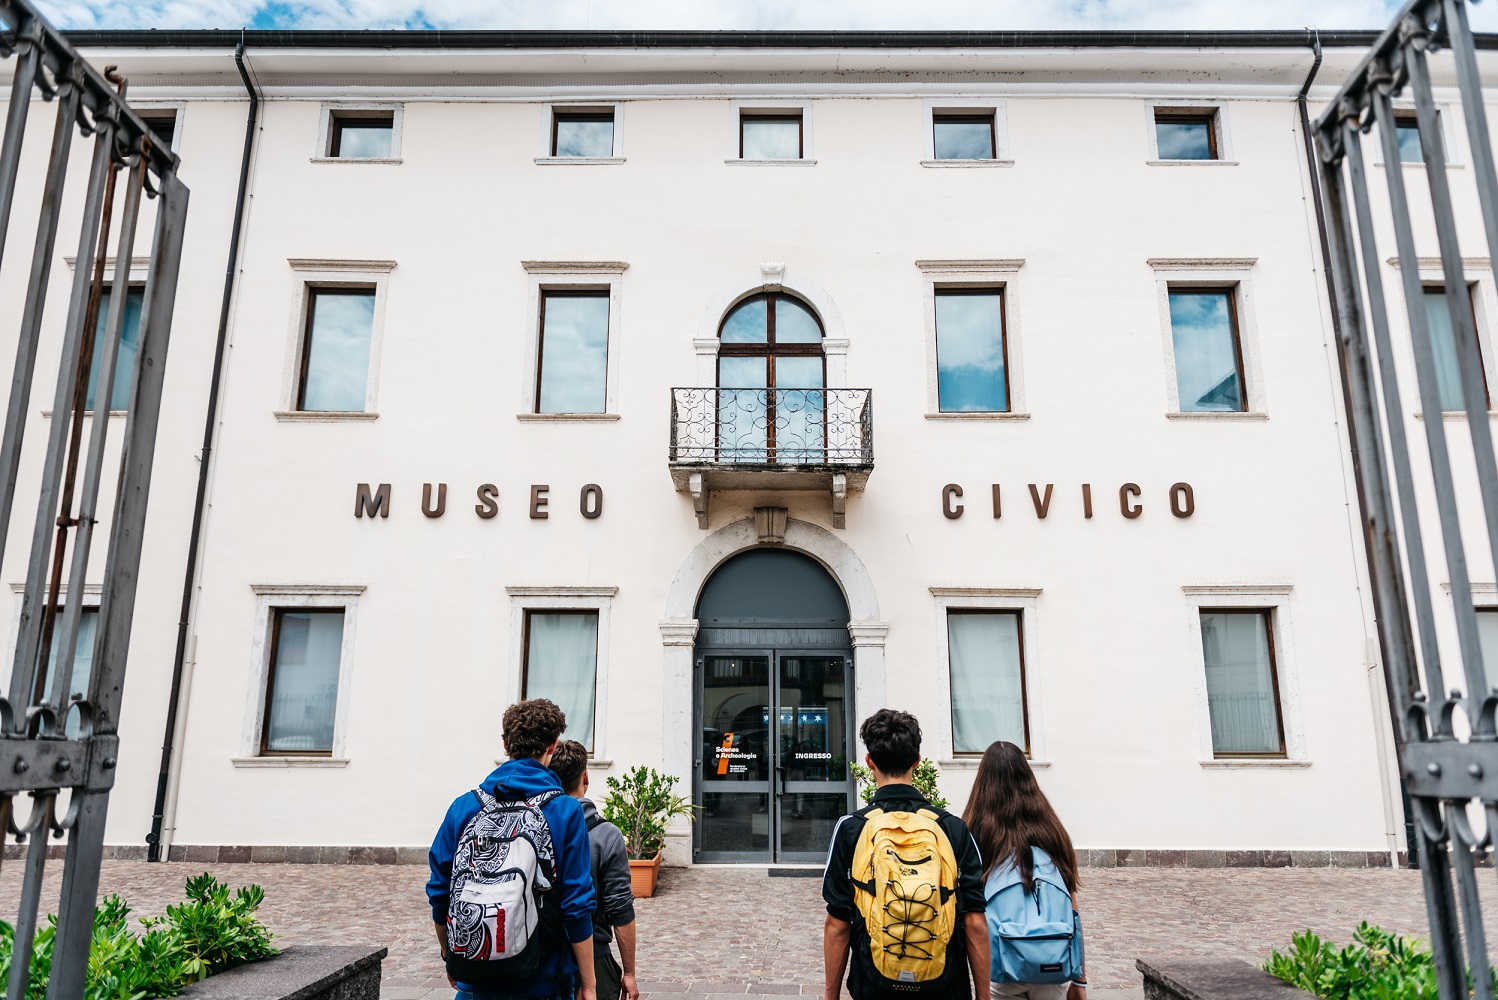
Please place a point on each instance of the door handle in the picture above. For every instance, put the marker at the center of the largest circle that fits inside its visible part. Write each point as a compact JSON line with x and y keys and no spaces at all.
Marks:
{"x":780,"y":770}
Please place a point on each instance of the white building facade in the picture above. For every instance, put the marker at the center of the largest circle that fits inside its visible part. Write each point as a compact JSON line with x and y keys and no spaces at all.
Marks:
{"x":550,"y":369}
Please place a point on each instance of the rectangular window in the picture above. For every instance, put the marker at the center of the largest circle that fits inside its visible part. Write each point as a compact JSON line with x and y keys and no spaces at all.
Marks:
{"x":572,"y":376}
{"x":1242,"y":689}
{"x":83,"y":663}
{"x":561,"y":663}
{"x":1443,"y":348}
{"x":582,"y":133}
{"x":972,"y":372}
{"x":1186,"y":135}
{"x":1407,"y":130}
{"x":163,"y":124}
{"x":124,"y":363}
{"x":335,"y":350}
{"x":1207,"y":350}
{"x":361,"y":135}
{"x":988,"y":680}
{"x":770,"y":136}
{"x":1487,"y":635}
{"x":301,"y":694}
{"x":963,"y":136}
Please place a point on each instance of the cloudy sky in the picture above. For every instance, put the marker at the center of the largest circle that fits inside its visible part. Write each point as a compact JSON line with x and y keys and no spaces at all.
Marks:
{"x":735,"y":14}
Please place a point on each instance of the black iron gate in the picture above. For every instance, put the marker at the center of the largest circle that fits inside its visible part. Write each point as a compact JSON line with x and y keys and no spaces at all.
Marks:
{"x":58,"y":745}
{"x":1447,"y":738}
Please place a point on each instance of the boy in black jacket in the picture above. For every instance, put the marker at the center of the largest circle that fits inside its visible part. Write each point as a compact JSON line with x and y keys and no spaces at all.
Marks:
{"x":894,"y":743}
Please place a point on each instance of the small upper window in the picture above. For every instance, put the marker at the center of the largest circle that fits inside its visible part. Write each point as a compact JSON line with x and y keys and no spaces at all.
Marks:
{"x":1182,"y":134}
{"x":1407,"y":131}
{"x":966,"y":136}
{"x":777,"y":136}
{"x":361,"y":135}
{"x":163,"y":124}
{"x":582,"y":133}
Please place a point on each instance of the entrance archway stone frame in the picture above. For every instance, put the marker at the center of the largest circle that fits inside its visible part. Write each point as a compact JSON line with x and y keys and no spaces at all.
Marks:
{"x":866,"y":632}
{"x":772,"y":276}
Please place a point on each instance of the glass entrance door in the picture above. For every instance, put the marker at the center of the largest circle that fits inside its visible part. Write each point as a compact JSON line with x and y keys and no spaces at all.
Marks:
{"x":773,"y":775}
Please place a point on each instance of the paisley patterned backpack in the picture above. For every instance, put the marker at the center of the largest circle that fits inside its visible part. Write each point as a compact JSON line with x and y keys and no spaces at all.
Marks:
{"x":501,"y":920}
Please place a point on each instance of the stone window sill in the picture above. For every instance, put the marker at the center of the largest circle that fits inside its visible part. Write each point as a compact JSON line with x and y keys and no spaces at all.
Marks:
{"x":971,"y":763}
{"x":959,"y":164}
{"x":1458,"y":415}
{"x":1236,"y":763}
{"x":324,"y":416}
{"x":771,"y":163}
{"x":1191,"y":163}
{"x":575,"y":161}
{"x":90,"y":413}
{"x":562,"y":418}
{"x":357,"y":159}
{"x":1220,"y":415}
{"x":977,"y":416}
{"x":1421,"y":164}
{"x":290,"y":761}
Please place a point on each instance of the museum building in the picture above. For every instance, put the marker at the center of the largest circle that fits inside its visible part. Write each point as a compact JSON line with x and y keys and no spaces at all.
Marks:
{"x":548,"y":366}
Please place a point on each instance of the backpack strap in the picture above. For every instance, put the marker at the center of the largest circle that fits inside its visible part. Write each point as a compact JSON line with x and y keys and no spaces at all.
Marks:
{"x":594,"y":821}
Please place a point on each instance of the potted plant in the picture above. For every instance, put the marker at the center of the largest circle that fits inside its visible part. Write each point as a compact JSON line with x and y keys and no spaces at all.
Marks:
{"x":640,"y":804}
{"x":924,"y":778}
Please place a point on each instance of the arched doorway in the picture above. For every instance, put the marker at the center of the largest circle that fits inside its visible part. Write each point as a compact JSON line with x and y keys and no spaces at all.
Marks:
{"x":774,"y":704}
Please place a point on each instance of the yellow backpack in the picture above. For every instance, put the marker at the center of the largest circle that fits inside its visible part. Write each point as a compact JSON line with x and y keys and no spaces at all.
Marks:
{"x":906,"y":874}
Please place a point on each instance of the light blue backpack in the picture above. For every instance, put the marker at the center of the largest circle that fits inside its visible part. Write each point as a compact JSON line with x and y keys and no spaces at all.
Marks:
{"x":1033,"y":937}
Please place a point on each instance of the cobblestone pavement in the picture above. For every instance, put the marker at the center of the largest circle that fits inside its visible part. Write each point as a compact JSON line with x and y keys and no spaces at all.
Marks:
{"x":735,"y":931}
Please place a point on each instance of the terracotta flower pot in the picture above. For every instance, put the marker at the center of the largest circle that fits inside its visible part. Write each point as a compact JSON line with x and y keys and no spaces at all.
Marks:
{"x":643,"y":876}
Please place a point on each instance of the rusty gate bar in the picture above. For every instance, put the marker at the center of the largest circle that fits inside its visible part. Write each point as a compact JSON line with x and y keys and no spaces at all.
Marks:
{"x":67,"y":778}
{"x":1445,"y":731}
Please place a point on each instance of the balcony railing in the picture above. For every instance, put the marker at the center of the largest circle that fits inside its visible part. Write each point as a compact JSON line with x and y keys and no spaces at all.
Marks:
{"x":772,"y":428}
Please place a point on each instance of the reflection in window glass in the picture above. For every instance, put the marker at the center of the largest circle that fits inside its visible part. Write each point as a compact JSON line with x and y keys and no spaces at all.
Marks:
{"x":83,"y":663}
{"x":988,"y":692}
{"x":584,"y":135}
{"x":561,"y":663}
{"x":124,"y":362}
{"x":335,"y":365}
{"x":770,"y":138}
{"x":1204,"y":333}
{"x":1185,"y":138}
{"x":574,"y":353}
{"x":163,"y":124}
{"x":1487,"y":635}
{"x":362,"y":138}
{"x":971,"y":371}
{"x":303,"y":685}
{"x":794,"y":323}
{"x":1443,"y":348}
{"x":749,"y":323}
{"x":1408,"y":133}
{"x":963,"y":137}
{"x":1240,"y":682}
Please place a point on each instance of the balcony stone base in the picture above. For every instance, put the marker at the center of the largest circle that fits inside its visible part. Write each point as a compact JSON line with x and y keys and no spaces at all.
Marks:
{"x":701,"y":481}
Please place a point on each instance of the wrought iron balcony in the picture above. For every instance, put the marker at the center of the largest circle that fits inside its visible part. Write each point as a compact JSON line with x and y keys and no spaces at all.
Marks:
{"x":771,"y":439}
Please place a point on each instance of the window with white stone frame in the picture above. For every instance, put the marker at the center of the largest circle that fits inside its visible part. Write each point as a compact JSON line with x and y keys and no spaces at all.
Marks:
{"x":987,"y":643}
{"x":300,"y":665}
{"x":332,"y":363}
{"x":974,"y":365}
{"x":559,"y":649}
{"x":1247,"y":693}
{"x":572,"y":364}
{"x":1213,"y":368}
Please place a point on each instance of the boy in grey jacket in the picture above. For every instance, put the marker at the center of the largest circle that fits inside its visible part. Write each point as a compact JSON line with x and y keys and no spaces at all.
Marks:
{"x":614,"y":901}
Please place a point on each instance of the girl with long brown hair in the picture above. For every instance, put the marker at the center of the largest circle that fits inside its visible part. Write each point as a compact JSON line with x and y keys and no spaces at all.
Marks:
{"x":1010,"y":818}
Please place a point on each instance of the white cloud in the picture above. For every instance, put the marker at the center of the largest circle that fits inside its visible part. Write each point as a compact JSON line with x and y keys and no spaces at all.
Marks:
{"x":735,"y":14}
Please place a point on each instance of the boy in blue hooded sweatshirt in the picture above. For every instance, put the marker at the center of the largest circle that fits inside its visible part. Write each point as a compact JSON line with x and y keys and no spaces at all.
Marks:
{"x":531,"y":731}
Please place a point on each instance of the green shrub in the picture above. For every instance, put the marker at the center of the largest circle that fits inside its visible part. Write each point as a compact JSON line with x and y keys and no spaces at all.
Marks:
{"x":640,"y":804}
{"x":924,"y":778}
{"x":212,"y":930}
{"x":1378,"y":965}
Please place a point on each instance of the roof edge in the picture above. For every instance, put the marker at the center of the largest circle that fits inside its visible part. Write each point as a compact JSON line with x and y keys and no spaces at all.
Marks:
{"x":507,"y":39}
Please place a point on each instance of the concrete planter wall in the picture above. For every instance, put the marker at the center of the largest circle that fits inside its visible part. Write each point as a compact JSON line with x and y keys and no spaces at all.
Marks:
{"x":299,"y":973}
{"x":1213,"y":979}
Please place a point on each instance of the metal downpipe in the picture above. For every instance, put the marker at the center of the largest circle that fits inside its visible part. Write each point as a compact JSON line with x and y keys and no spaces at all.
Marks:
{"x":184,"y":625}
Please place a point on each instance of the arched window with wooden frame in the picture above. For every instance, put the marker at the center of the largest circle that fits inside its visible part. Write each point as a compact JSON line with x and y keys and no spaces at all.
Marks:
{"x":772,"y":374}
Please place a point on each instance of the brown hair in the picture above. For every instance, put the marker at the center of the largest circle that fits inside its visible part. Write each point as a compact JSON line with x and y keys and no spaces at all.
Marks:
{"x":1008,"y":814}
{"x":569,"y":762}
{"x":893,"y":739}
{"x":531,"y":727}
